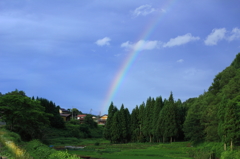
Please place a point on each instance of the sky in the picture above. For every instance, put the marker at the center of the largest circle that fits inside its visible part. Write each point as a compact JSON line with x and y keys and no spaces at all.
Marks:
{"x":86,"y":53}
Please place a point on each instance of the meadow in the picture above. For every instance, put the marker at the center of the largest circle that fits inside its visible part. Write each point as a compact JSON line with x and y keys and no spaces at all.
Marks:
{"x":99,"y":148}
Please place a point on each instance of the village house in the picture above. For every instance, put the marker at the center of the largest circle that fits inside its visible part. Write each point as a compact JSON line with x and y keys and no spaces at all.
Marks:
{"x":65,"y":114}
{"x":81,"y":118}
{"x":103,"y":119}
{"x":100,"y":120}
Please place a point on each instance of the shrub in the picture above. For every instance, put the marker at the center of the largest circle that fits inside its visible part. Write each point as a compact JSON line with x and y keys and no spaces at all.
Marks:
{"x":39,"y":150}
{"x":13,"y":137}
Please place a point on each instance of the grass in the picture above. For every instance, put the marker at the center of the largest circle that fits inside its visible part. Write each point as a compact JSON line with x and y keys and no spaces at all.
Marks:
{"x":105,"y":150}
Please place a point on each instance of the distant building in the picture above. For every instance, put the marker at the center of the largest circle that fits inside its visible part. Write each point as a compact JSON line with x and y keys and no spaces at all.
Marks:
{"x":103,"y":119}
{"x":81,"y":118}
{"x":100,"y":120}
{"x":65,"y":114}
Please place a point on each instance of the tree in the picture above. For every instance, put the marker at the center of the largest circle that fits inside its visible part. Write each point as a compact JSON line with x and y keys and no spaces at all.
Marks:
{"x":135,"y":130}
{"x":148,"y":119}
{"x":23,"y":115}
{"x":116,"y":129}
{"x":88,"y":120}
{"x":192,"y":127}
{"x":142,"y":109}
{"x":180,"y":117}
{"x":56,"y":120}
{"x":75,"y":112}
{"x":158,"y":105}
{"x":231,"y":123}
{"x":108,"y":127}
{"x":127,"y":117}
{"x":221,"y":120}
{"x":161,"y":124}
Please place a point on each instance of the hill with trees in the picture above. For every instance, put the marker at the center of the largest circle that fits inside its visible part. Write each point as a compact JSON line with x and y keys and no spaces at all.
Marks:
{"x":213,"y":116}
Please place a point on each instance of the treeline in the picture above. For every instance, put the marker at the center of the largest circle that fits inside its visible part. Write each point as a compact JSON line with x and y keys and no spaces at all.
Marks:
{"x":156,"y":121}
{"x":40,"y":119}
{"x":213,"y":116}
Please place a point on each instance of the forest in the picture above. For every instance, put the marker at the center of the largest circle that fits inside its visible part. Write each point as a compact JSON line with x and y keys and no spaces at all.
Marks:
{"x":213,"y":116}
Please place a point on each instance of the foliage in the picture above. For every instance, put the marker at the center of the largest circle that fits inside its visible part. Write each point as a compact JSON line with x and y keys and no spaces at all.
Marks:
{"x":74,"y":112}
{"x":135,"y":151}
{"x":56,"y":120}
{"x":38,"y":150}
{"x":7,"y":140}
{"x":23,"y":115}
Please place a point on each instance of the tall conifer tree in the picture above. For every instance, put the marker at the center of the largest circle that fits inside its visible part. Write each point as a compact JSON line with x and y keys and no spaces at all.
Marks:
{"x":156,"y":111}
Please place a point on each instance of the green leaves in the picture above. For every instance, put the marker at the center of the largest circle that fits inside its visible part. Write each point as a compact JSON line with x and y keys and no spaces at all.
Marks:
{"x":23,"y":115}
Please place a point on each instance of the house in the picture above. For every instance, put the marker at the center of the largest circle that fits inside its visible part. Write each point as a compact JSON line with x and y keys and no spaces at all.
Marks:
{"x":64,"y":114}
{"x":81,"y":118}
{"x":103,"y":119}
{"x":63,"y":111}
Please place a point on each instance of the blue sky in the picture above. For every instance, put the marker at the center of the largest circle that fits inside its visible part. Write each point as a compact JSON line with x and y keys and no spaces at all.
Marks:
{"x":71,"y":51}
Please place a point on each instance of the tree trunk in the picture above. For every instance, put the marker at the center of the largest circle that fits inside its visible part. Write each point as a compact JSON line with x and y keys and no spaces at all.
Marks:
{"x":163,"y":139}
{"x":231,"y":145}
{"x":150,"y":138}
{"x":171,"y":140}
{"x":225,"y":145}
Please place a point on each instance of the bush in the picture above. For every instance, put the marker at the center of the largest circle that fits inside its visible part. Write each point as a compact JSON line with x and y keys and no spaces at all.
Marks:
{"x":12,"y":136}
{"x":205,"y":150}
{"x":38,"y":150}
{"x":61,"y":155}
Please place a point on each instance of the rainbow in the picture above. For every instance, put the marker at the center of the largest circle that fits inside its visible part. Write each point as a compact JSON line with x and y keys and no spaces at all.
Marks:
{"x":132,"y":56}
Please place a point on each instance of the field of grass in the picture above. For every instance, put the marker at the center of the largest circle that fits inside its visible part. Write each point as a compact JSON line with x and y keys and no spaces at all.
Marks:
{"x":106,"y":150}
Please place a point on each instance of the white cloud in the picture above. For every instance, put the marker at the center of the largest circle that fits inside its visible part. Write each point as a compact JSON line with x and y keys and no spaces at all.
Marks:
{"x":180,"y":60}
{"x":126,"y":44}
{"x":215,"y":36}
{"x":235,"y":34}
{"x":141,"y":45}
{"x":104,"y":41}
{"x":143,"y":10}
{"x":180,"y":40}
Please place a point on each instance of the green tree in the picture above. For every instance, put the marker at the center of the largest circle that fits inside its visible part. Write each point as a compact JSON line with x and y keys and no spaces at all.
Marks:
{"x":135,"y":130}
{"x":128,"y":125}
{"x":231,"y":123}
{"x":56,"y":120}
{"x":108,"y":127}
{"x":156,"y":111}
{"x":141,"y":121}
{"x":171,"y":123}
{"x":192,"y":127}
{"x":221,"y":119}
{"x":88,"y":120}
{"x":116,"y":133}
{"x":75,"y":112}
{"x":161,"y":124}
{"x":148,"y":119}
{"x":23,"y":115}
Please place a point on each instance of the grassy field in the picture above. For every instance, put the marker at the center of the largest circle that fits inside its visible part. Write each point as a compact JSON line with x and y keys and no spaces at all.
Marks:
{"x":106,"y":150}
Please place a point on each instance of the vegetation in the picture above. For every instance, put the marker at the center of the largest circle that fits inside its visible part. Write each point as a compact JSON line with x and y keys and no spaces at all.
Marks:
{"x":210,"y":122}
{"x":214,"y":116}
{"x":134,"y":150}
